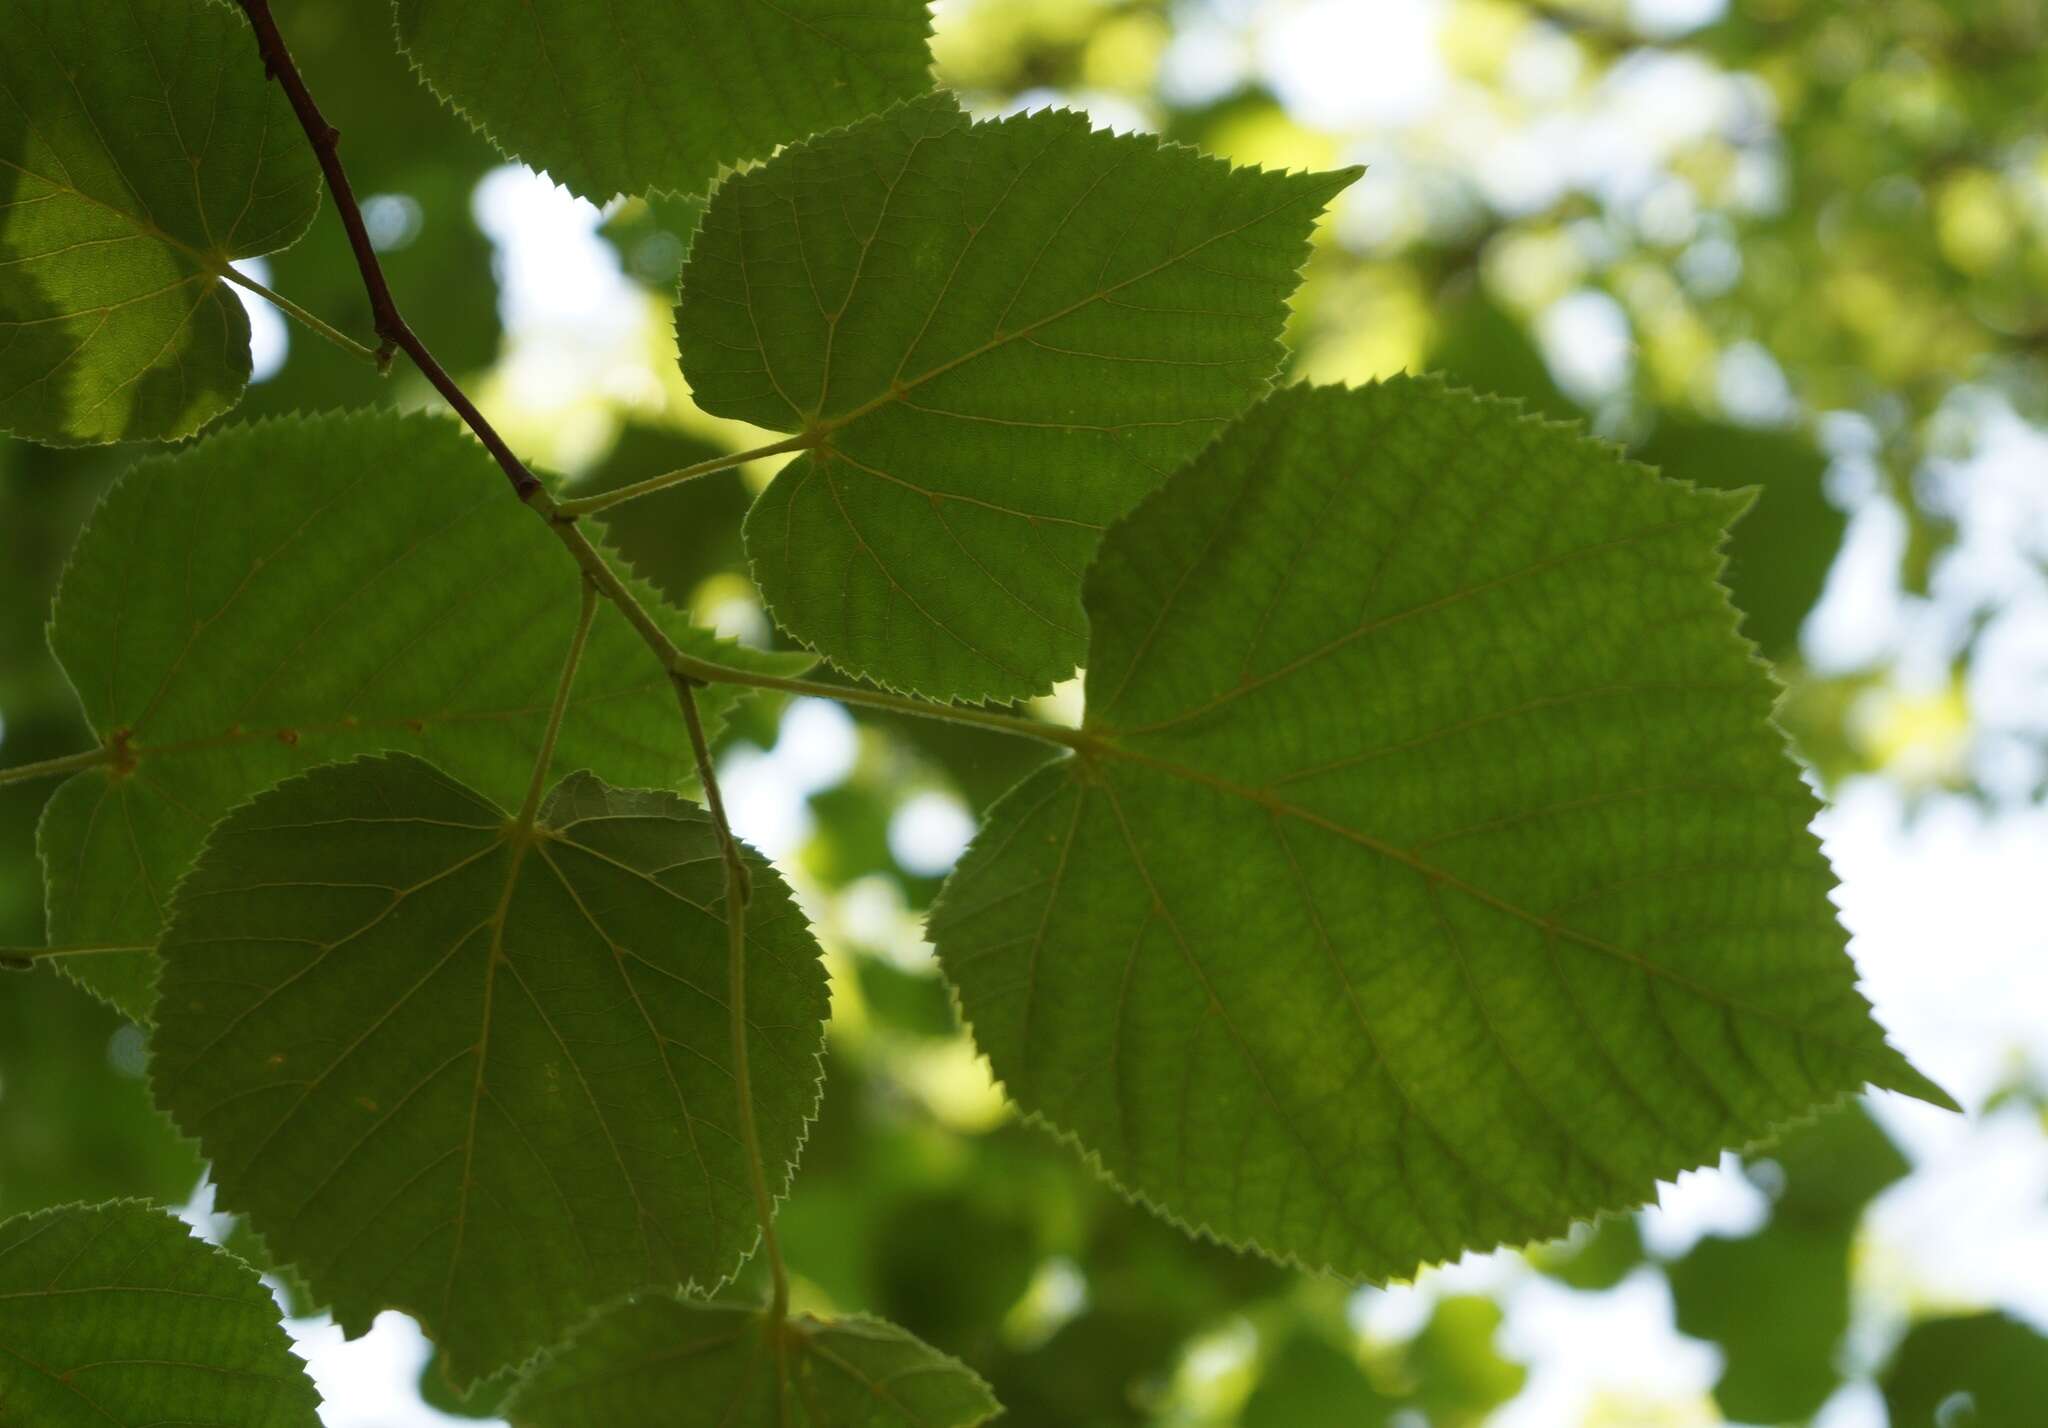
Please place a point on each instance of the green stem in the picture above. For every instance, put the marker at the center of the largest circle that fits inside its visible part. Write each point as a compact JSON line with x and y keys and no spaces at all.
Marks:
{"x":546,"y":758}
{"x":591,"y":505}
{"x":737,"y":893}
{"x":291,"y":309}
{"x":1039,"y":729}
{"x":701,"y":671}
{"x":22,"y":959}
{"x":50,"y":768}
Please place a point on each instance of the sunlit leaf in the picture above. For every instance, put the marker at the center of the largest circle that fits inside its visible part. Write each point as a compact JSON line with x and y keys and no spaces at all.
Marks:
{"x":632,"y":1367}
{"x":141,"y":151}
{"x":115,"y":1314}
{"x":638,"y":97}
{"x":1000,"y":336}
{"x":300,"y":590}
{"x":477,"y":1071}
{"x":1429,"y":874}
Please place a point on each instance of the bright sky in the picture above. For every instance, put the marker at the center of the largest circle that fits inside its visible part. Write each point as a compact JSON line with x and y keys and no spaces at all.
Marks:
{"x":1943,"y":901}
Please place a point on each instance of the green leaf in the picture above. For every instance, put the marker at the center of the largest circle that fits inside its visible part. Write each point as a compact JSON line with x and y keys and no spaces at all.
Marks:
{"x":1310,"y":1380}
{"x":1972,"y":1371}
{"x":632,"y":1367}
{"x":1001,"y":336}
{"x":1778,"y":1302}
{"x":1430,"y":874}
{"x":297,"y":591}
{"x":1780,"y":555}
{"x":1596,"y":1255}
{"x":641,"y":97}
{"x":141,"y":150}
{"x":115,"y":1314}
{"x":474,"y":1071}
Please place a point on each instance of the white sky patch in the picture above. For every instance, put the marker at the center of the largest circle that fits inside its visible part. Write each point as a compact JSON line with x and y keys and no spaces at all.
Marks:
{"x":1587,"y":343}
{"x":767,"y":810}
{"x":1340,"y":64}
{"x":1664,"y":19}
{"x":929,"y":832}
{"x":1579,"y":1347}
{"x":270,"y":339}
{"x":371,"y":1382}
{"x":816,"y":745}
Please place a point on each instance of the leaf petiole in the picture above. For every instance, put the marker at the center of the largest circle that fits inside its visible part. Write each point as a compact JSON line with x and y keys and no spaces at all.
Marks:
{"x":291,"y":309}
{"x":51,"y":768}
{"x":736,"y":895}
{"x":591,"y":505}
{"x":23,"y":959}
{"x":530,"y":809}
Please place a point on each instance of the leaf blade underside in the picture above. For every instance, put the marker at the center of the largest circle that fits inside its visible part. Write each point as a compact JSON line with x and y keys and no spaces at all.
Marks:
{"x":142,"y":150}
{"x":296,"y":591}
{"x":478,"y":1073}
{"x":635,"y":1363}
{"x":1001,"y":336}
{"x":116,"y":1314}
{"x":659,"y":97}
{"x":1434,"y":876}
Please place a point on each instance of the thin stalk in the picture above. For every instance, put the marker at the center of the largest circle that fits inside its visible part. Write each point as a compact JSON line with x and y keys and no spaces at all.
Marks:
{"x":291,"y":309}
{"x":705,"y":672}
{"x":546,"y":758}
{"x":51,"y":768}
{"x":22,"y":959}
{"x":737,"y":893}
{"x":591,"y":505}
{"x":1061,"y":734}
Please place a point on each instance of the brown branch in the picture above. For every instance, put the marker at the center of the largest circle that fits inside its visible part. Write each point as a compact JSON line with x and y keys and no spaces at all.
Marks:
{"x":391,"y":326}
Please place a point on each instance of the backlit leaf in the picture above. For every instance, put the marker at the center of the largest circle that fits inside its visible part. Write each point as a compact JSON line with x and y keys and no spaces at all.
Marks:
{"x":1430,"y":874}
{"x":1001,"y":336}
{"x":141,"y":151}
{"x":478,"y":1072}
{"x":632,"y":1367}
{"x":301,"y":590}
{"x":115,"y":1314}
{"x":629,"y":98}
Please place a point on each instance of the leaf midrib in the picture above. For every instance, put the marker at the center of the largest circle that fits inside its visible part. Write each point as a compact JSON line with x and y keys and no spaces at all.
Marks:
{"x":822,"y":428}
{"x":1431,"y":873}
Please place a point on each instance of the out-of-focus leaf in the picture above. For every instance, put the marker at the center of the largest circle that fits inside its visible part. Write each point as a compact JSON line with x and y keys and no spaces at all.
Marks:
{"x":906,"y":1002}
{"x":921,"y":1244}
{"x":653,"y":237}
{"x":1311,"y":1381}
{"x":1478,"y":345}
{"x":678,"y":537}
{"x":1972,"y":1371}
{"x":1777,"y":1302}
{"x":1597,"y":1256}
{"x":1456,"y":1372}
{"x":1780,"y":552}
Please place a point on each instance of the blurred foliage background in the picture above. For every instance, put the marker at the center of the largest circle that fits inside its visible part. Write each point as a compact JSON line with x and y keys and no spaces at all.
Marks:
{"x":1796,"y":246}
